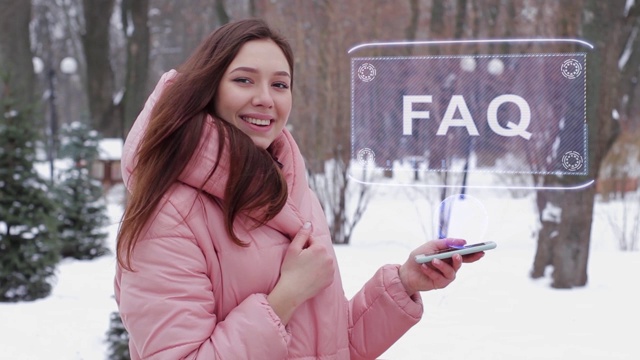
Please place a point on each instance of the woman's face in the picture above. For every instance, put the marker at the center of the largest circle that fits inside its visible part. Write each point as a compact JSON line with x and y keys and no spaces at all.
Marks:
{"x":255,"y":91}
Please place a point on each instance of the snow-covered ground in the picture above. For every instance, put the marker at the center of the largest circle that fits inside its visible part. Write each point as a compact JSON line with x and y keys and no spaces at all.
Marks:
{"x":492,"y":311}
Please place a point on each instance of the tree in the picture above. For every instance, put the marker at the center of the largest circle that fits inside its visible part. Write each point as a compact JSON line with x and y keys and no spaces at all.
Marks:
{"x":564,"y":238}
{"x":223,"y":16}
{"x":28,"y":248}
{"x":15,"y":50}
{"x":329,"y":155}
{"x":83,"y":211}
{"x":117,"y":339}
{"x":136,"y":30}
{"x":100,"y":76}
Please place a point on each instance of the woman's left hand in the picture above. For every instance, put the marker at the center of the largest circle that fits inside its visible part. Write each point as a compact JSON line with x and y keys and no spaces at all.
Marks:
{"x":436,"y":274}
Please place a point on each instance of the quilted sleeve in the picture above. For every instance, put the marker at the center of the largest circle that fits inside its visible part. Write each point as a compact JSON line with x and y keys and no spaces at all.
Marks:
{"x":380,"y":313}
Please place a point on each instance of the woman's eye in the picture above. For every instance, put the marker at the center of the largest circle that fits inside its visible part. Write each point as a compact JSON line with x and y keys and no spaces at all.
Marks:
{"x":242,"y":80}
{"x":281,"y":85}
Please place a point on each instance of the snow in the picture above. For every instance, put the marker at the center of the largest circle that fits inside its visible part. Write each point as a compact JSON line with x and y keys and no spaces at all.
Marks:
{"x":492,"y":311}
{"x":615,"y":114}
{"x":627,"y":6}
{"x":44,"y":168}
{"x":626,"y":54}
{"x":117,"y":98}
{"x":552,"y":213}
{"x":110,"y":149}
{"x":38,"y":65}
{"x":69,"y":65}
{"x":130,"y":24}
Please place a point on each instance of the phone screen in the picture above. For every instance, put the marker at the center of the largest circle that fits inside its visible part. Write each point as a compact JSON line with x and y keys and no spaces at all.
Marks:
{"x":454,"y":248}
{"x":462,"y":250}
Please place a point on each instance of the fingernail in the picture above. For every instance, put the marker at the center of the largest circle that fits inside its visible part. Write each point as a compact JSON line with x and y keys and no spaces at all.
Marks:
{"x":307,"y":225}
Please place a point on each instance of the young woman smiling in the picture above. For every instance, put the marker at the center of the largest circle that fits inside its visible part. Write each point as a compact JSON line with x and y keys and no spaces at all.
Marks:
{"x":224,"y":251}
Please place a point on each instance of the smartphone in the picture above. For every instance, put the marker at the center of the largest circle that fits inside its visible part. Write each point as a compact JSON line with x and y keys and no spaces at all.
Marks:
{"x":462,"y":250}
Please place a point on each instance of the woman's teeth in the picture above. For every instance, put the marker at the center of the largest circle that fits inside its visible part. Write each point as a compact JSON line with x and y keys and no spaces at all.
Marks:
{"x":255,"y":121}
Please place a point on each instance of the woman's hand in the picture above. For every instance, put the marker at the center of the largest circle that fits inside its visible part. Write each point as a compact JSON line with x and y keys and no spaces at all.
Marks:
{"x":438,"y":273}
{"x":308,"y":268}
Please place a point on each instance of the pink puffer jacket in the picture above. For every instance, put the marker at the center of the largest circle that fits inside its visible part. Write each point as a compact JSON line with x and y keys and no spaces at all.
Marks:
{"x":195,"y":294}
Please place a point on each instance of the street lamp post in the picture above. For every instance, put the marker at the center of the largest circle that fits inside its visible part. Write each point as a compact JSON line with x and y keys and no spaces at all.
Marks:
{"x":39,"y":68}
{"x":66,"y":87}
{"x":467,"y":65}
{"x":495,"y":67}
{"x":53,"y":121}
{"x":67,"y":66}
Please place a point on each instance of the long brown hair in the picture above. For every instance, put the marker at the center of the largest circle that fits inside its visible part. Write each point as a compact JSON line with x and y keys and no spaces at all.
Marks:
{"x":173,"y":134}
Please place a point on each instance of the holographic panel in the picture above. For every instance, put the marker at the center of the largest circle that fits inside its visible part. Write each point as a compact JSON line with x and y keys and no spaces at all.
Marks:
{"x":441,"y":110}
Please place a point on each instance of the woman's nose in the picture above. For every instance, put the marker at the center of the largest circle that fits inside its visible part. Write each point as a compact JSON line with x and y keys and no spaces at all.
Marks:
{"x":263,"y":97}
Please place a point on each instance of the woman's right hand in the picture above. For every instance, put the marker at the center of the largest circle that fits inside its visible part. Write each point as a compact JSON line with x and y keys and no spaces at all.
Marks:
{"x":308,"y":268}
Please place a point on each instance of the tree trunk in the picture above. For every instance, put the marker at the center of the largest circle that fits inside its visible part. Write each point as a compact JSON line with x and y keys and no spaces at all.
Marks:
{"x":461,"y":16}
{"x":253,"y":11}
{"x":100,"y":77}
{"x":15,"y":52}
{"x":135,"y":16}
{"x":548,"y":232}
{"x":223,"y":16}
{"x":606,"y":27}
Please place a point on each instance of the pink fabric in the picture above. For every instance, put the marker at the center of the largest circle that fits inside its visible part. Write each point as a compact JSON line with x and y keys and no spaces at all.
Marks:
{"x":195,"y":294}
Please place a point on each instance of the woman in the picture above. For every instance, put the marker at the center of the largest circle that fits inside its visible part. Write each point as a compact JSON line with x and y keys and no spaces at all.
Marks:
{"x":224,"y":251}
